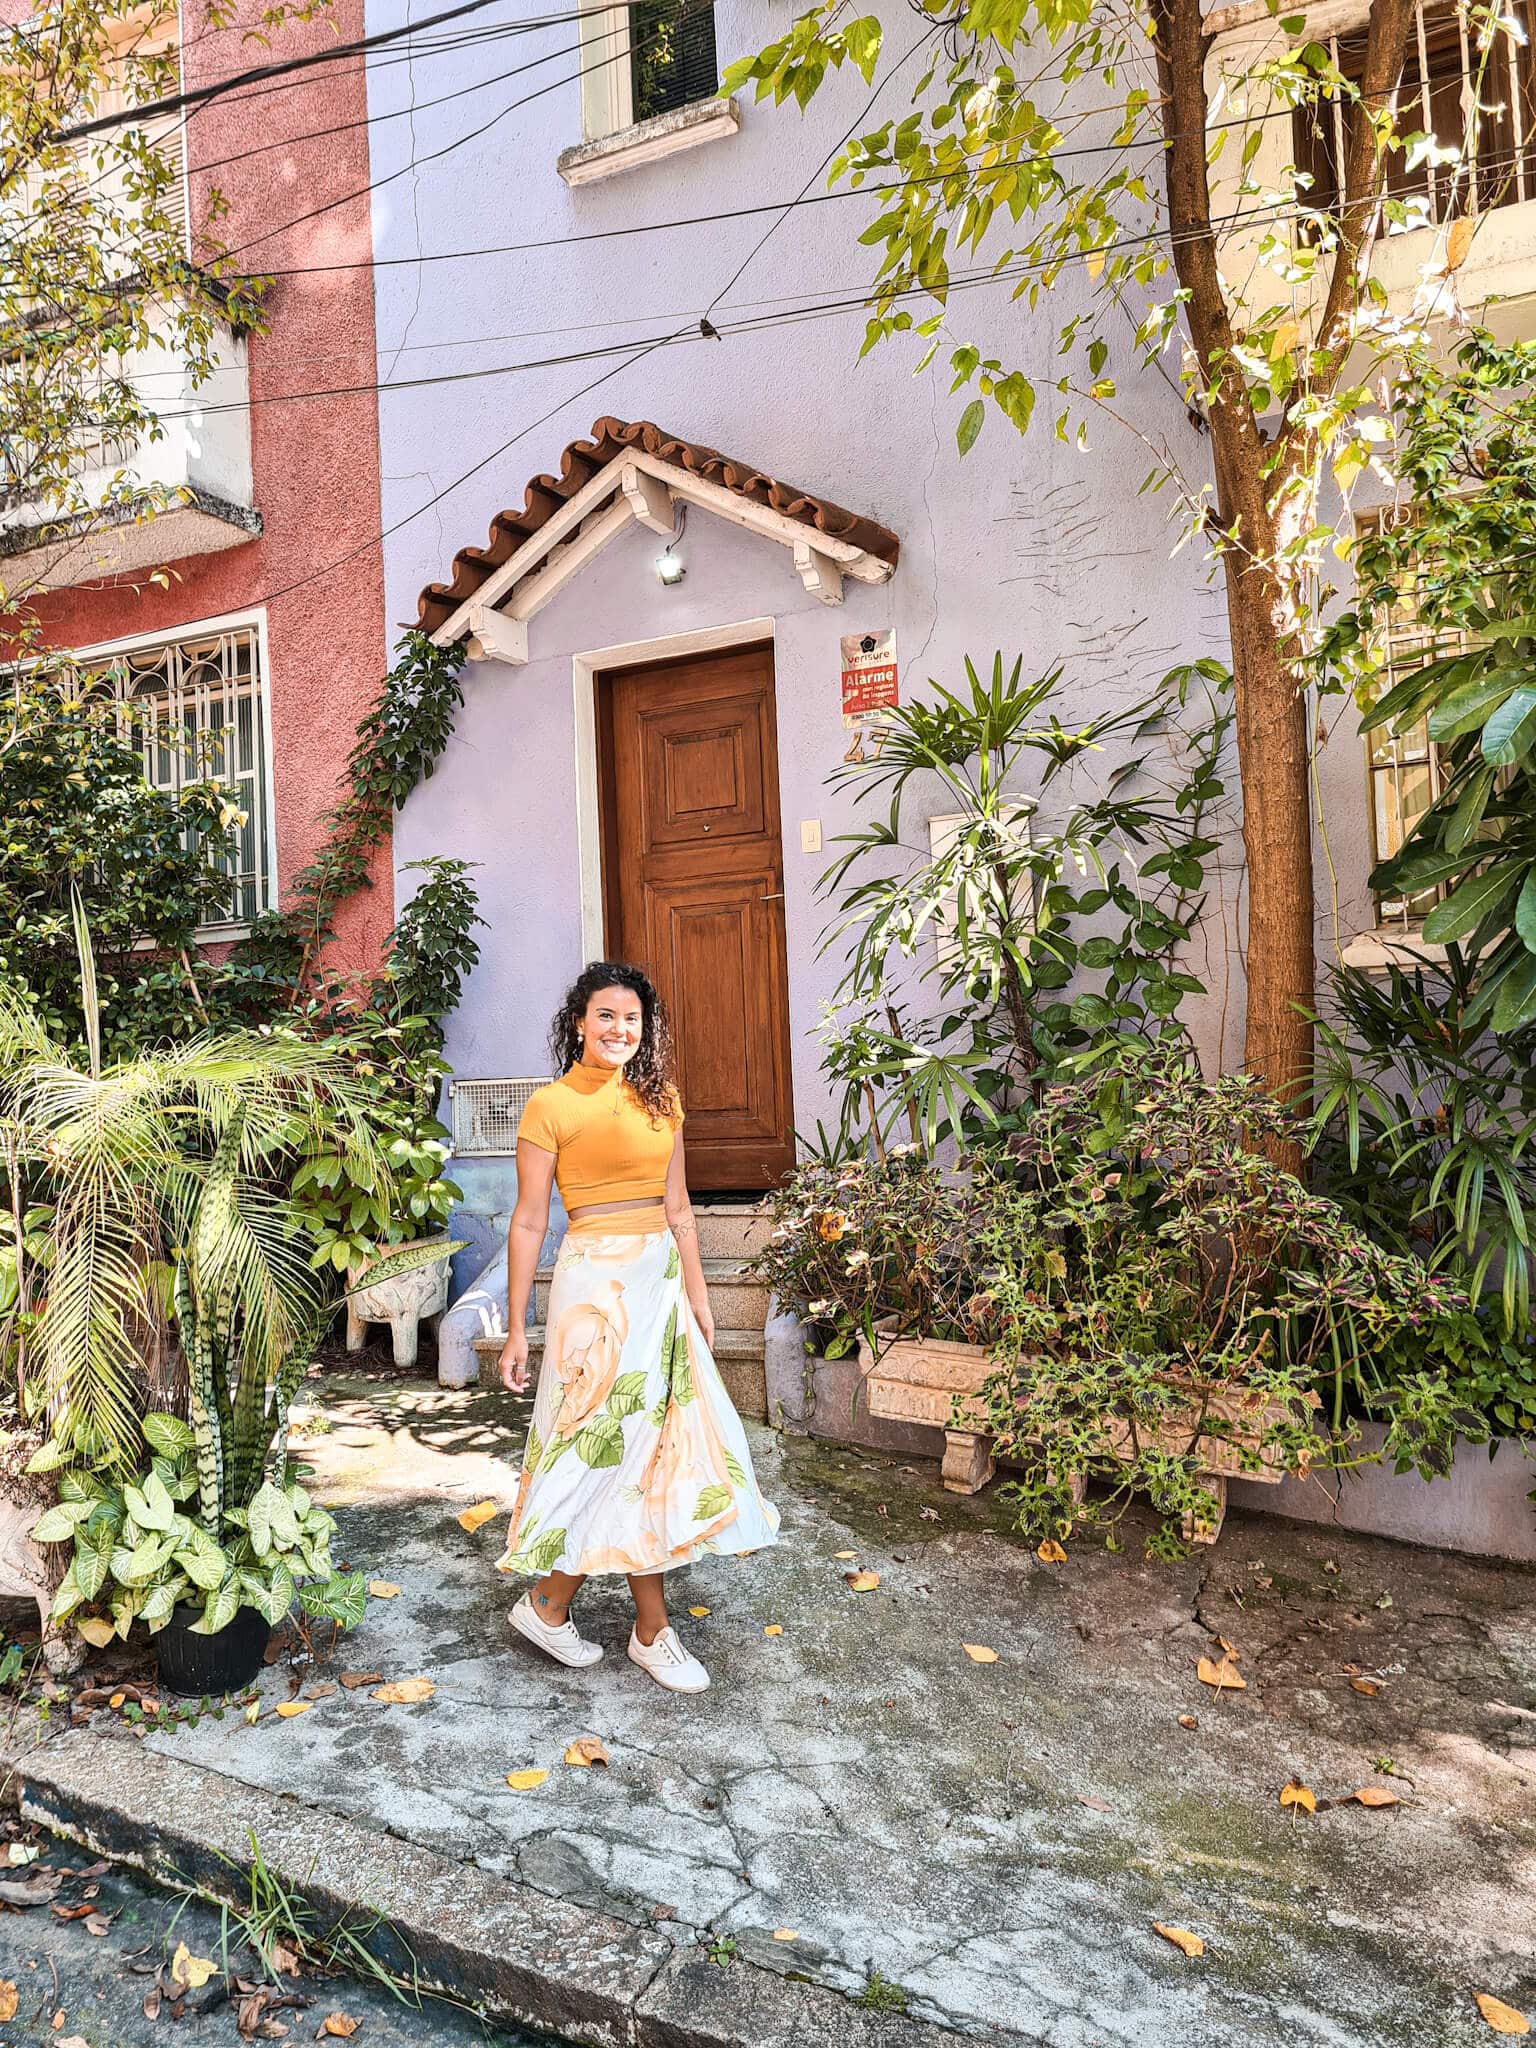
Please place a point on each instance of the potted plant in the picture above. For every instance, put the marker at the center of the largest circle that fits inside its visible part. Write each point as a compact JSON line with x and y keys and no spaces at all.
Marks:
{"x":1165,"y":1306}
{"x":178,"y":1279}
{"x":143,"y":1550}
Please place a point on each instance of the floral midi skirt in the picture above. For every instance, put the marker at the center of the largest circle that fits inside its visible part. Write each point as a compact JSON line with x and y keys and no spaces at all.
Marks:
{"x":636,"y":1461}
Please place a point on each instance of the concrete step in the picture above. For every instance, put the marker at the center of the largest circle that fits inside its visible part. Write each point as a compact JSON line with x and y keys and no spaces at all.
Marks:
{"x":738,"y":1354}
{"x":729,"y":1231}
{"x":739,"y":1302}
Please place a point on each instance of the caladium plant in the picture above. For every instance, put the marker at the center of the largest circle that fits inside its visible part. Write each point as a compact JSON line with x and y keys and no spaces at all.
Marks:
{"x":138,"y":1553}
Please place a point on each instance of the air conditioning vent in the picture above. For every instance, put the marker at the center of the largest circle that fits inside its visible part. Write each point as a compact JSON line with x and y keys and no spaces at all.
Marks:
{"x":486,"y":1114}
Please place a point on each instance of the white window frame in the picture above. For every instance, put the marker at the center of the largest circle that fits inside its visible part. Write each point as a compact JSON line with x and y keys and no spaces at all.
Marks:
{"x":255,"y":619}
{"x":612,"y":139}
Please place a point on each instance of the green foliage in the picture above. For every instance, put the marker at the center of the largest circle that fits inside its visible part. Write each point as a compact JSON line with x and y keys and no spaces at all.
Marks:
{"x":141,"y":1547}
{"x":1466,"y":564}
{"x":1040,"y":945}
{"x":1424,"y":1131}
{"x":165,"y":1176}
{"x":397,"y":746}
{"x":871,"y":1246}
{"x":432,"y":948}
{"x":77,"y":817}
{"x":1158,"y":1290}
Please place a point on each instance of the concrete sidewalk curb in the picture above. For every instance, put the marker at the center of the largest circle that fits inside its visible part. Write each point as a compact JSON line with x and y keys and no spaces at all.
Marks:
{"x":527,"y":1958}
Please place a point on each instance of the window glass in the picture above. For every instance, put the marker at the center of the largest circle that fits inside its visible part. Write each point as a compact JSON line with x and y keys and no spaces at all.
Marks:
{"x":671,"y":55}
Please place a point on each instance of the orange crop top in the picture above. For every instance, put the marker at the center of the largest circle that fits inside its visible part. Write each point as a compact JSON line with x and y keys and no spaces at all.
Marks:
{"x":606,"y":1147}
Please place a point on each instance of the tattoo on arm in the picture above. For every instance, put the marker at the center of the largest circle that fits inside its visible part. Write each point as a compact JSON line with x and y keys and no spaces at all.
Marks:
{"x":683,"y":1229}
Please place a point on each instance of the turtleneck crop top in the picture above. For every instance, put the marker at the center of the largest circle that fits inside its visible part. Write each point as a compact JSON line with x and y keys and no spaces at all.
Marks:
{"x":606,"y":1147}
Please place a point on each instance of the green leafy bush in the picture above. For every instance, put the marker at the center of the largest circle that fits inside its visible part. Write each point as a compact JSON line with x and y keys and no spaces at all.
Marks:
{"x":139,"y":1554}
{"x":1038,"y":936}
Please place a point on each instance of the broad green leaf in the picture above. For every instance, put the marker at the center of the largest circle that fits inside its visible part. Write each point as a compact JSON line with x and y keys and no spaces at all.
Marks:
{"x":220,"y":1608}
{"x":713,"y":1501}
{"x":1466,"y":708}
{"x":1510,"y":733}
{"x":628,"y":1395}
{"x":971,"y":422}
{"x":601,"y":1443}
{"x":1516,"y":1004}
{"x":168,"y":1435}
{"x":1466,"y":907}
{"x":1525,"y":912}
{"x":58,"y":1524}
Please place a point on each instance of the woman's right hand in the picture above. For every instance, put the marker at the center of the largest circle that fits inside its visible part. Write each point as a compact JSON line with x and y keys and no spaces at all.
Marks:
{"x":513,"y":1363}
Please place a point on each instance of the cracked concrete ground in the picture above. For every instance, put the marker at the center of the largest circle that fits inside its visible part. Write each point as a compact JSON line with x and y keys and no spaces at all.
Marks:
{"x":996,"y":1839}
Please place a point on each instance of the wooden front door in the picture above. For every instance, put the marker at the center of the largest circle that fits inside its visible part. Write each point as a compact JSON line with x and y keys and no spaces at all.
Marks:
{"x":694,"y":893}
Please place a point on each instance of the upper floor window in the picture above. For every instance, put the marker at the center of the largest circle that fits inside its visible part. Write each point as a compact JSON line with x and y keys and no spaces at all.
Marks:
{"x":1446,"y":81}
{"x":197,"y":708}
{"x":672,"y":55}
{"x":1404,"y":769}
{"x":652,"y":57}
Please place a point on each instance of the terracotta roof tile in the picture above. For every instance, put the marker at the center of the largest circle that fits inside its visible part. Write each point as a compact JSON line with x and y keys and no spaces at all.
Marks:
{"x":582,"y":460}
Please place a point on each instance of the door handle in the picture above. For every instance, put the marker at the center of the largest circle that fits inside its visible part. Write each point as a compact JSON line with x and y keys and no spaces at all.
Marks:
{"x":777,"y":896}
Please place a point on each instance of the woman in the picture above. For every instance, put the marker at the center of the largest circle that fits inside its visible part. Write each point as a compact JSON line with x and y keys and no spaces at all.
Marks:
{"x":636,"y":1461}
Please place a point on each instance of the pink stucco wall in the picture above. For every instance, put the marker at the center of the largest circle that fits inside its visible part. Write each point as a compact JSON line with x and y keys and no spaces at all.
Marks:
{"x":315,"y":461}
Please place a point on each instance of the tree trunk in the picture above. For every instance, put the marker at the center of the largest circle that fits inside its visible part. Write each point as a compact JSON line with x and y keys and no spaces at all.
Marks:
{"x":1273,"y":752}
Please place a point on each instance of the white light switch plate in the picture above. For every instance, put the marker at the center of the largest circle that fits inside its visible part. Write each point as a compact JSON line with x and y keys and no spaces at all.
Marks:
{"x":810,"y":835}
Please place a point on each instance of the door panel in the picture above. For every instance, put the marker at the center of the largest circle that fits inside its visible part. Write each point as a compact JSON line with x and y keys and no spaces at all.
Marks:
{"x":695,"y":880}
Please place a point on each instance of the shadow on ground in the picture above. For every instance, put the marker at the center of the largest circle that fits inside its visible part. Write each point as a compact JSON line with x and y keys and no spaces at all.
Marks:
{"x":996,"y":1839}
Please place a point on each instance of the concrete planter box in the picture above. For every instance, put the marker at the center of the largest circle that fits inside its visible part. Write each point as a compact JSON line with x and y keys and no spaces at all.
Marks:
{"x":1480,"y":1506}
{"x":932,"y":1381}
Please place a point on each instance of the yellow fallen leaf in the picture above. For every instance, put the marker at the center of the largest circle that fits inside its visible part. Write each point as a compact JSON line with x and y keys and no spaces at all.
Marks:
{"x":116,"y":1700}
{"x":699,"y":1613}
{"x":785,"y":1934}
{"x":288,"y":1708}
{"x":1501,"y":2017}
{"x":979,"y":1653}
{"x":1050,"y":1552}
{"x":1224,"y":1676}
{"x":404,"y":1692}
{"x":585,"y":1750}
{"x":862,"y":1582}
{"x":773,"y":1629}
{"x":1366,"y":1685}
{"x":476,"y":1517}
{"x":97,"y":1633}
{"x":1181,"y":1938}
{"x":382,"y":1589}
{"x":253,"y":1712}
{"x":1294,"y":1794}
{"x":1457,"y":243}
{"x":339,"y":2025}
{"x":8,"y":1999}
{"x":844,"y":1555}
{"x":524,"y":1781}
{"x":193,"y":1971}
{"x":1231,"y":1648}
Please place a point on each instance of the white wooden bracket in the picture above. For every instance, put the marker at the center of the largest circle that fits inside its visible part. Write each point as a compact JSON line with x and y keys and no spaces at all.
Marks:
{"x":495,"y":637}
{"x":649,"y":499}
{"x":819,"y":573}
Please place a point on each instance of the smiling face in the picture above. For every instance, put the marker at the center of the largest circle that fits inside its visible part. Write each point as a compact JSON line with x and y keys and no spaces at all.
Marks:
{"x":611,"y":1028}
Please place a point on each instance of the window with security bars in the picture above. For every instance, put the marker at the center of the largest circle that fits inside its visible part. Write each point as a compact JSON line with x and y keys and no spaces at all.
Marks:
{"x":195,"y":708}
{"x":1446,"y":81}
{"x":1404,"y":769}
{"x":671,"y":55}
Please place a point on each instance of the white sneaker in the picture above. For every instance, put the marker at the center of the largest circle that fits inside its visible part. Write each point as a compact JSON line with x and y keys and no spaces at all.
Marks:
{"x":564,"y":1643}
{"x":668,"y":1662}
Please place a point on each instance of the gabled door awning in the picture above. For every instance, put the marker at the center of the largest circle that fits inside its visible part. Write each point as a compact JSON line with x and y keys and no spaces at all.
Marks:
{"x":631,"y":471}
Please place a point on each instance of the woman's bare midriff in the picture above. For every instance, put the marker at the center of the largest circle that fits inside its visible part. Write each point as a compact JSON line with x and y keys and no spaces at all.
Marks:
{"x":613,"y":1208}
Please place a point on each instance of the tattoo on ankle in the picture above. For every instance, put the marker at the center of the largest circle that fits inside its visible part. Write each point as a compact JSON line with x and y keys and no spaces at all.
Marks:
{"x":542,"y":1598}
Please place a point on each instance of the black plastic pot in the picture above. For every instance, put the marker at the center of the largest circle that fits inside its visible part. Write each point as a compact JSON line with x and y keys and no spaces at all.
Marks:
{"x":198,"y":1665}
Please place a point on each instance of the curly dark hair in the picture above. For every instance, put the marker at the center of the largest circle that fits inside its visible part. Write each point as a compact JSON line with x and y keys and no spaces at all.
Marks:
{"x":650,"y":1072}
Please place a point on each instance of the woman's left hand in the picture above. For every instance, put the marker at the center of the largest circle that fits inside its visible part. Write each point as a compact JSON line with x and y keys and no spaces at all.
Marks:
{"x":704,"y":1319}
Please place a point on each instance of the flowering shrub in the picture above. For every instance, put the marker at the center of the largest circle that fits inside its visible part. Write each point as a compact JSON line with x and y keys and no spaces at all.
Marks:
{"x":871,"y":1241}
{"x":1161,"y":1297}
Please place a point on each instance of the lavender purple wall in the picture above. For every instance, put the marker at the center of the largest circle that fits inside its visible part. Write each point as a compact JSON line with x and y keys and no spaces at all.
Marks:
{"x":1027,"y":545}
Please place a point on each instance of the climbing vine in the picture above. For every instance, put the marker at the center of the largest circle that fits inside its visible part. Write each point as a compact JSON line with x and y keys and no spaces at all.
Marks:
{"x":397,"y":746}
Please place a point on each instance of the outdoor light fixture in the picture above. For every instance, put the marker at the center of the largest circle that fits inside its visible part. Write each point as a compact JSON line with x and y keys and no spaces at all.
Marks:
{"x":668,"y":568}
